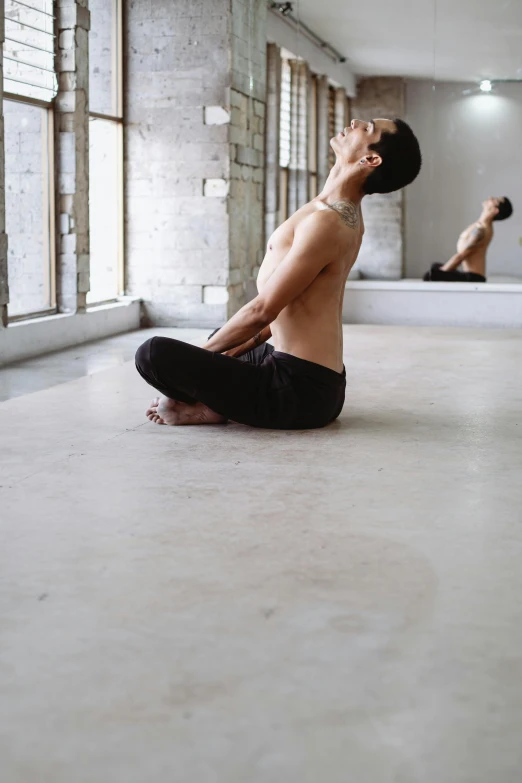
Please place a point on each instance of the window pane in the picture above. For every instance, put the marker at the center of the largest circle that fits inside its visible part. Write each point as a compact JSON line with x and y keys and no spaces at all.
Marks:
{"x":312,"y":125}
{"x":105,"y":201}
{"x":285,"y":111}
{"x":27,"y":208}
{"x":29,"y":49}
{"x":103,"y":57}
{"x":331,"y":123}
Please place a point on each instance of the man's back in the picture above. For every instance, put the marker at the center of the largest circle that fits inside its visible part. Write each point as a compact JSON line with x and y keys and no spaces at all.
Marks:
{"x":310,"y":327}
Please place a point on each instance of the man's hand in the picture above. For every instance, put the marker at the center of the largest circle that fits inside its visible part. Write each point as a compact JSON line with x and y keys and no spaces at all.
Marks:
{"x":257,"y":340}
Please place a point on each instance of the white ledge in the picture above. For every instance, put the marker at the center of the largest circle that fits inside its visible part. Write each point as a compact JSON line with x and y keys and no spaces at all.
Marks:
{"x":419,"y":303}
{"x":430,"y":287}
{"x":37,"y":336}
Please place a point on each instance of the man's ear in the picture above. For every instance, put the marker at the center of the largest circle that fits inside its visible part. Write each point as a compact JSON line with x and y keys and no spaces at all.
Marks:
{"x":372,"y":160}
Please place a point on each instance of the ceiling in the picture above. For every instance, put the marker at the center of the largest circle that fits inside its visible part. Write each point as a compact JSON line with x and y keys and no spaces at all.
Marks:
{"x":449,"y":40}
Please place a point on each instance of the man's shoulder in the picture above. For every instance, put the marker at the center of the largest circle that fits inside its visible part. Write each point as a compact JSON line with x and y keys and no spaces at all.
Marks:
{"x":332,"y":220}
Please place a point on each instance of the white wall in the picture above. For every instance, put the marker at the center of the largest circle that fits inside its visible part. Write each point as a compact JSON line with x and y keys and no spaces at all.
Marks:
{"x":472,"y":149}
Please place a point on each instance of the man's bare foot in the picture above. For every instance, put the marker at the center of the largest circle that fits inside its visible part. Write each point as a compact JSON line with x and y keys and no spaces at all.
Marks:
{"x":166,"y":411}
{"x":152,"y":412}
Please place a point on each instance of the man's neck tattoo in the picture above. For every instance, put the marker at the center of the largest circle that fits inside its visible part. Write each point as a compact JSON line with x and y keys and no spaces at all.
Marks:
{"x":347,"y":211}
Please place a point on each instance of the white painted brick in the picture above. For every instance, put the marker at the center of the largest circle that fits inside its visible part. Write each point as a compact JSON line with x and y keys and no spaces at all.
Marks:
{"x":259,"y":142}
{"x":66,"y":81}
{"x":66,"y":39}
{"x":66,"y":184}
{"x":66,"y":101}
{"x":68,"y":244}
{"x":215,"y":294}
{"x":66,"y":60}
{"x":67,"y":123}
{"x":180,"y":294}
{"x":216,"y":115}
{"x":66,"y":16}
{"x":215,"y":188}
{"x":66,"y":207}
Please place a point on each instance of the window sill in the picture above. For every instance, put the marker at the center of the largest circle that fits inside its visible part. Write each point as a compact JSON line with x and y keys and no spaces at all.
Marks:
{"x":25,"y":339}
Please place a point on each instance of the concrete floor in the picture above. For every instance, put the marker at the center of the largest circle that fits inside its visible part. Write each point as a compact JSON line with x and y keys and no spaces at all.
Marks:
{"x":50,"y":370}
{"x":225,"y":605}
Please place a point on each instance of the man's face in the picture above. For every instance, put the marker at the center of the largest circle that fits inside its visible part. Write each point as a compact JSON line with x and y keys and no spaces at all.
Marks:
{"x":491,"y":205}
{"x":352,"y":143}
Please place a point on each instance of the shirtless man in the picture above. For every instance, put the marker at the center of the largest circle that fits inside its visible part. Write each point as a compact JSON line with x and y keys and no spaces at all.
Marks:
{"x":472,"y":246}
{"x":299,"y":383}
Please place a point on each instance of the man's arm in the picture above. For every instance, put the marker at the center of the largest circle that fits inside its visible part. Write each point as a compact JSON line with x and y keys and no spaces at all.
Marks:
{"x":257,"y":340}
{"x":317,"y":242}
{"x":474,"y":240}
{"x":454,"y":262}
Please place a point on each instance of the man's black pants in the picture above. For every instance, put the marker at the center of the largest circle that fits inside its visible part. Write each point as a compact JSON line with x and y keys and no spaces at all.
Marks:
{"x":262,"y":388}
{"x":437,"y":274}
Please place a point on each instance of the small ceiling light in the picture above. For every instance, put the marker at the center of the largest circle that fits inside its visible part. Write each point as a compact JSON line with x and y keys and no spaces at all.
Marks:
{"x":486,"y":85}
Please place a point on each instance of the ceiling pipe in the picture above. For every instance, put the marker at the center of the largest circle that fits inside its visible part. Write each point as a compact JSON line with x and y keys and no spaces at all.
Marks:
{"x":284,"y":10}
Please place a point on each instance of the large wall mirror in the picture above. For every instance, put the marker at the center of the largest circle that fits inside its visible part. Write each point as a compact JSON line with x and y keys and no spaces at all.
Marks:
{"x":468,"y":120}
{"x":453,"y":70}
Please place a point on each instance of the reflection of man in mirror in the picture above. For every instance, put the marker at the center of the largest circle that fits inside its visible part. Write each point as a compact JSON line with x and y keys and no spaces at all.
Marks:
{"x":472,"y":246}
{"x":299,"y":381}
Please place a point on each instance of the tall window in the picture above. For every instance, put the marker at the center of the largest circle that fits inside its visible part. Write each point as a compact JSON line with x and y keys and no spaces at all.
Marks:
{"x":298,"y":135}
{"x":30,"y":85}
{"x":331,"y":122}
{"x":105,"y":151}
{"x":285,"y":118}
{"x":312,"y":137}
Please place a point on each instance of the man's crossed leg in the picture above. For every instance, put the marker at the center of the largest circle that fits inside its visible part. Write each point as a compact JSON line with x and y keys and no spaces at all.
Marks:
{"x":261,"y":388}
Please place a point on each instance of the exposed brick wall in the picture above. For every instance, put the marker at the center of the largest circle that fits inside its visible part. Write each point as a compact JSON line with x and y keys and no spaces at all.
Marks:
{"x":245,"y":203}
{"x":72,"y":154}
{"x":4,"y":288}
{"x":382,"y":250}
{"x":194,"y":135}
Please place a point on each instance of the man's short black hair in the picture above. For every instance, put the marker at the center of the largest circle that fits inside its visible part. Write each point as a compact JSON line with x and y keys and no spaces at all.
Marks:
{"x":505,"y":209}
{"x":401,"y":160}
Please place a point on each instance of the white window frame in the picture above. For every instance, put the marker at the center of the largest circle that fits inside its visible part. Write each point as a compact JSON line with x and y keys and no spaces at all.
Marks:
{"x":48,"y":157}
{"x":117,"y":119}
